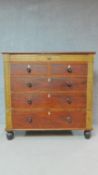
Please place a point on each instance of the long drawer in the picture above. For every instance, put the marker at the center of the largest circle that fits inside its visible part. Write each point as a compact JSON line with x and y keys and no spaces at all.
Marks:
{"x":38,"y":68}
{"x":48,"y":100}
{"x":46,"y":120}
{"x":46,"y":84}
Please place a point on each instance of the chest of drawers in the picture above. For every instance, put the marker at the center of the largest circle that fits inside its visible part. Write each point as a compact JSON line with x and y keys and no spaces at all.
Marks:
{"x":48,"y":91}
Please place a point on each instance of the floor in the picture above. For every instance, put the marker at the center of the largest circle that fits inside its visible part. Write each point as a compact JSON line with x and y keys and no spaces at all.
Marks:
{"x":44,"y":154}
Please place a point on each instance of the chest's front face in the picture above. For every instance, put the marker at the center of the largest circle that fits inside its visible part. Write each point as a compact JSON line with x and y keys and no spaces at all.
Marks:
{"x":48,"y":91}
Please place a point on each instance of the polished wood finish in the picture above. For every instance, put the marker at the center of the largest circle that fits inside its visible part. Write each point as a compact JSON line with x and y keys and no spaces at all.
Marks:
{"x":22,"y":69}
{"x":48,"y":84}
{"x":62,"y":69}
{"x":90,"y":81}
{"x":49,"y":120}
{"x":39,"y":68}
{"x":7,"y":92}
{"x":46,"y":91}
{"x":49,"y":53}
{"x":52,"y":57}
{"x":48,"y":100}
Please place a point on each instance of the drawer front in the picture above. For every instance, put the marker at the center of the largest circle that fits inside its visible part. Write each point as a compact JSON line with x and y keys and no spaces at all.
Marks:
{"x":49,"y":120}
{"x":48,"y":100}
{"x":56,"y":68}
{"x":69,"y":68}
{"x":28,"y":68}
{"x":46,"y":84}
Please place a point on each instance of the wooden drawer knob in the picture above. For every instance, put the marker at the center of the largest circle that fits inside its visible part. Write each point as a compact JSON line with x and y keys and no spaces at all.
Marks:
{"x":29,"y":84}
{"x":29,"y":68}
{"x":69,"y":100}
{"x":68,"y":119}
{"x":29,"y":120}
{"x":69,"y":83}
{"x":69,"y":69}
{"x":29,"y":101}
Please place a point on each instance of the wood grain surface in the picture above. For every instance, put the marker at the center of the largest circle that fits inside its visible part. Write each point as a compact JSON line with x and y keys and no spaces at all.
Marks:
{"x":49,"y":120}
{"x":48,"y":100}
{"x":41,"y":93}
{"x":49,"y":84}
{"x":56,"y":68}
{"x":19,"y":68}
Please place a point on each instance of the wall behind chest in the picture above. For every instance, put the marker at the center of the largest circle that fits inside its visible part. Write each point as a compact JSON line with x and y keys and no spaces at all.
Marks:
{"x":48,"y":25}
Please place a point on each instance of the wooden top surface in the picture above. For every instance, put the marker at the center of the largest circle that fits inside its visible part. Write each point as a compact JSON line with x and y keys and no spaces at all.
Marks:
{"x":67,"y":53}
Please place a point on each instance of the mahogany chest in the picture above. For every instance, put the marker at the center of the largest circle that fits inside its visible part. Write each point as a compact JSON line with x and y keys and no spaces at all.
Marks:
{"x":48,"y":91}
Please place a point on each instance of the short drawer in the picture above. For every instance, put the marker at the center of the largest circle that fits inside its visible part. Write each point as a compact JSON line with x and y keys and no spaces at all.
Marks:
{"x":69,"y":68}
{"x":49,"y":120}
{"x":48,"y":84}
{"x":48,"y":100}
{"x":28,"y":68}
